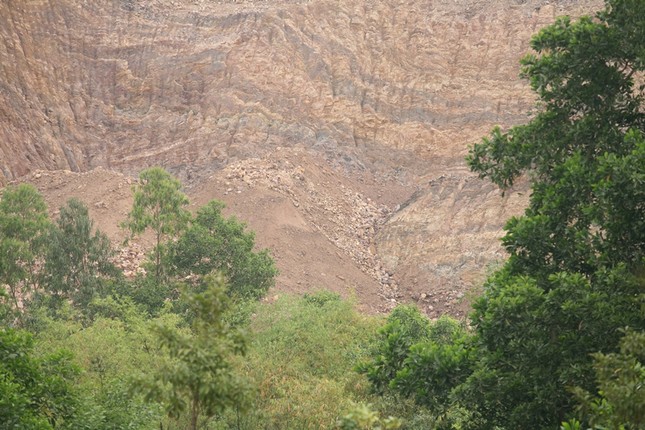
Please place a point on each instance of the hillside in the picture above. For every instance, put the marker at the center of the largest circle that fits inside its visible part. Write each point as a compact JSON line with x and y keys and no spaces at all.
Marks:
{"x":337,"y":130}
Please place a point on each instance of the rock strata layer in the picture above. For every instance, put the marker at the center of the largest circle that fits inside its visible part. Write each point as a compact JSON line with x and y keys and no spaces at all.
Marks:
{"x":391,"y":91}
{"x":192,"y":85}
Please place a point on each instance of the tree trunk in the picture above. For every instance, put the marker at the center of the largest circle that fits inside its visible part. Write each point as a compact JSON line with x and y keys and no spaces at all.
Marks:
{"x":158,"y":257}
{"x":194,"y":414}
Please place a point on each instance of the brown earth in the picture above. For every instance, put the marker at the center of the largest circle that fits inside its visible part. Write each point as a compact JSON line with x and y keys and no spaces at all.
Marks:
{"x":325,"y":229}
{"x":319,"y":229}
{"x":336,"y":129}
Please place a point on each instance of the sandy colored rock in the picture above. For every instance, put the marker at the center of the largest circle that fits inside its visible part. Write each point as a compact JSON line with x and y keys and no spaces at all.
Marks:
{"x":336,"y":129}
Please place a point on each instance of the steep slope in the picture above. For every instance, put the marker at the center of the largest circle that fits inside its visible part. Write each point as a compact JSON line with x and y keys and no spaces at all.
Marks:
{"x":193,"y":84}
{"x":389,"y":92}
{"x":317,"y":226}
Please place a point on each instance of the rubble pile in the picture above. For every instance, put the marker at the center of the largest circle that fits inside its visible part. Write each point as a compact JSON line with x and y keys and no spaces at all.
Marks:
{"x":129,"y":259}
{"x":345,"y":217}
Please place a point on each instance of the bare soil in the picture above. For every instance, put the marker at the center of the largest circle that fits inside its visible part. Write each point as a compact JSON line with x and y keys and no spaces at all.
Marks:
{"x":317,"y":222}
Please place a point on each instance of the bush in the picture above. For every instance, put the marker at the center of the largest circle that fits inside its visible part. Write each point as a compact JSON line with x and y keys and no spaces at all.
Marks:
{"x":35,"y":393}
{"x":300,"y":358}
{"x":362,"y":417}
{"x":405,"y":327}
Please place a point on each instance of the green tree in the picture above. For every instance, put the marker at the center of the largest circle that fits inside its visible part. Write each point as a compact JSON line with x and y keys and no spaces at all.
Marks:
{"x":534,"y":343}
{"x":578,"y":149}
{"x":5,"y":308}
{"x":146,"y":292}
{"x":23,"y":225}
{"x":421,"y":359}
{"x":158,"y":205}
{"x":35,"y":393}
{"x":621,"y":387}
{"x":78,"y":258}
{"x":198,"y":379}
{"x":405,"y":327}
{"x":433,"y":368}
{"x":570,"y":282}
{"x":214,"y":243}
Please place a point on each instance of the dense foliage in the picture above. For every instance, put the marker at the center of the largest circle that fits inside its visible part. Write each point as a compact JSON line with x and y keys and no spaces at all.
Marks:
{"x":23,"y":226}
{"x":147,"y":355}
{"x":192,"y":247}
{"x":77,"y":263}
{"x":198,"y":378}
{"x":214,"y":243}
{"x":573,"y":281}
{"x":35,"y":392}
{"x":620,"y":378}
{"x":300,"y":360}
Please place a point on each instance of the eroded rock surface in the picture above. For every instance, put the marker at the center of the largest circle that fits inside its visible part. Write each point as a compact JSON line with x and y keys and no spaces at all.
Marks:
{"x":390,"y":92}
{"x":192,"y":85}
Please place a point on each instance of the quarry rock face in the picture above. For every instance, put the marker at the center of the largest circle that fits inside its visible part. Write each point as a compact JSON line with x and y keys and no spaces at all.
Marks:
{"x":390,"y":91}
{"x":193,"y":84}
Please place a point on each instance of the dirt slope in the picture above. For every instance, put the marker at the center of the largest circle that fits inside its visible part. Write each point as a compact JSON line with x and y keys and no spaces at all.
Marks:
{"x":319,"y":229}
{"x":326,"y":229}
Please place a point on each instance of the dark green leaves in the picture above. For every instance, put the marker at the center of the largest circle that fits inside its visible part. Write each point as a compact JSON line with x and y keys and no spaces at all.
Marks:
{"x":78,"y":257}
{"x":23,"y":225}
{"x":35,"y":393}
{"x":574,"y":276}
{"x":420,"y":359}
{"x":214,"y":243}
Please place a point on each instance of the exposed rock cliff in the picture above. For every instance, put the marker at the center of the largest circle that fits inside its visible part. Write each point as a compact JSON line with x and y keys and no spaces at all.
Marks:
{"x":194,"y":84}
{"x":395,"y":89}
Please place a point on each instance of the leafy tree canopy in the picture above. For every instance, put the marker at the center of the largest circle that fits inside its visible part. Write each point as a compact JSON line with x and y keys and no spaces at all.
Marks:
{"x":23,"y":225}
{"x":214,"y":243}
{"x":35,"y":393}
{"x":621,"y":378}
{"x":573,"y":280}
{"x":158,"y":205}
{"x":78,"y":258}
{"x":584,"y":149}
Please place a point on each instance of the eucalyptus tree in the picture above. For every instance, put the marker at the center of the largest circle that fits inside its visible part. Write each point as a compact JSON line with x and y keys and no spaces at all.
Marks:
{"x":158,"y":205}
{"x":78,"y":260}
{"x":24,"y":223}
{"x":196,"y":378}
